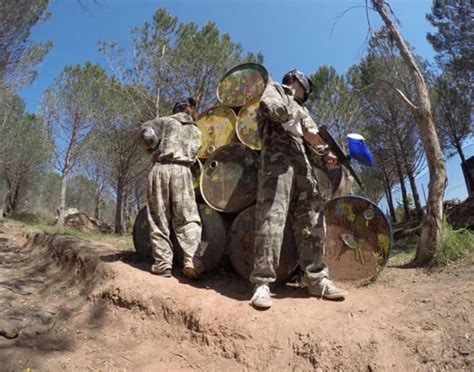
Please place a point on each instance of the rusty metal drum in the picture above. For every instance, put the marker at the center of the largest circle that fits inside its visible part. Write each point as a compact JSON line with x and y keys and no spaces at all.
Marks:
{"x":141,"y":236}
{"x":246,"y":127}
{"x":358,"y":238}
{"x":196,"y":171}
{"x":213,"y":238}
{"x":242,"y":84}
{"x":240,"y":246}
{"x":217,"y":126}
{"x":229,"y":178}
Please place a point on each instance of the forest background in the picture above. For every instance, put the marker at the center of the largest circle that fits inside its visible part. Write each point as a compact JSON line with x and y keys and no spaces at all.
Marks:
{"x":77,"y":77}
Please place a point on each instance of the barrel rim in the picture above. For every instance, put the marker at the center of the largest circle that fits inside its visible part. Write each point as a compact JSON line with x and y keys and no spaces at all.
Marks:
{"x":201,"y":186}
{"x":218,"y":106}
{"x":258,"y":66}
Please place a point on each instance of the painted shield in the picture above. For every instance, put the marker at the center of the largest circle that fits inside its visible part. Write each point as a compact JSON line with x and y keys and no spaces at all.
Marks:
{"x":213,"y":238}
{"x":247,"y":128}
{"x":242,"y":84}
{"x":229,"y":178}
{"x":241,"y":241}
{"x":217,"y":127}
{"x":358,"y":238}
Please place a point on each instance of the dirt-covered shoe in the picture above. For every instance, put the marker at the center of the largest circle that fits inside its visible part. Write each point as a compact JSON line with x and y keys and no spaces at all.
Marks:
{"x":327,"y":289}
{"x":261,"y":297}
{"x":166,"y":273}
{"x":190,"y":272}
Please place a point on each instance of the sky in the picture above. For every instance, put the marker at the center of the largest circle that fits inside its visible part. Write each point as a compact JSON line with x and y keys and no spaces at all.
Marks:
{"x":303,"y":34}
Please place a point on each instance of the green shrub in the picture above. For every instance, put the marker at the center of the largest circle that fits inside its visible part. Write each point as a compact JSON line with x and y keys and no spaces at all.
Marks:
{"x":456,"y":245}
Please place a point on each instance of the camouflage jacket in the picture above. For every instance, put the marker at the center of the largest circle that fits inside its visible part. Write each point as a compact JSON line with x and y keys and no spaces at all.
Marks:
{"x":178,"y":136}
{"x":277,"y":107}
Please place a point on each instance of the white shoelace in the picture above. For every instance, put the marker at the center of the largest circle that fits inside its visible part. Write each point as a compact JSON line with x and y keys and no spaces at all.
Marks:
{"x":262,"y":291}
{"x":326,"y":284}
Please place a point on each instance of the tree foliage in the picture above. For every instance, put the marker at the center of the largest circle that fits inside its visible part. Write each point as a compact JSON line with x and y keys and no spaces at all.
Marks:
{"x":173,"y":60}
{"x":19,"y":56}
{"x":27,"y":154}
{"x":70,"y":106}
{"x":454,"y":38}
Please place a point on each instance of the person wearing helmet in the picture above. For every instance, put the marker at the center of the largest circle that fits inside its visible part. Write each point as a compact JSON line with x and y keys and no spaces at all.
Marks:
{"x":173,"y":142}
{"x":287,"y":189}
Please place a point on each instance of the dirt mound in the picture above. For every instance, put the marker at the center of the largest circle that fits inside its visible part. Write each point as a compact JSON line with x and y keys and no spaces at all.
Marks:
{"x":93,"y":308}
{"x":83,"y":222}
{"x":463,"y":215}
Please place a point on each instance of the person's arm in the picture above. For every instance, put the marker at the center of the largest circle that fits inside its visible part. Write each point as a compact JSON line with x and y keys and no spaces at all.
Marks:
{"x":274,"y":103}
{"x":311,"y":135}
{"x":148,"y":136}
{"x":310,"y":131}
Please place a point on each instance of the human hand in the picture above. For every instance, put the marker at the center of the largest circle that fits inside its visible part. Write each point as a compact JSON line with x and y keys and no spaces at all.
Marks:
{"x":331,"y":161}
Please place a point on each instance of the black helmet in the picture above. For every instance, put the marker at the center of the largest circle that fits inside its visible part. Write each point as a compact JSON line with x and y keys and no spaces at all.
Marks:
{"x":301,"y":78}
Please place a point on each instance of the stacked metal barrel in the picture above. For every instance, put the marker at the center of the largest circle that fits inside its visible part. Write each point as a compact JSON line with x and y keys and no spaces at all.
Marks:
{"x":226,"y":174}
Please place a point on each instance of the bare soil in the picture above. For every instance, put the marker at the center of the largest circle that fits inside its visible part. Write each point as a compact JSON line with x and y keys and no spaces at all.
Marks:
{"x":72,"y":304}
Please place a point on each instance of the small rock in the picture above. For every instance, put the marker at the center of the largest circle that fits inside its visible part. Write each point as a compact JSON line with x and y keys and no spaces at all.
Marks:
{"x":9,"y":332}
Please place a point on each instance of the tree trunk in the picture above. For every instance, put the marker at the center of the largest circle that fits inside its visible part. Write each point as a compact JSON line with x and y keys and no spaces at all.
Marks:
{"x":62,"y":201}
{"x":158,"y":85}
{"x":401,"y":178}
{"x":414,"y":192}
{"x":411,"y":179}
{"x":7,"y":207}
{"x":432,"y":228}
{"x":388,"y":193}
{"x":119,"y":208}
{"x":96,"y":202}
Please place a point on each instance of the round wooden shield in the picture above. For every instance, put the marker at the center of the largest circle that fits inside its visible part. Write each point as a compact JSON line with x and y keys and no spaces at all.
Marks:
{"x":229,"y":178}
{"x":242,"y":84}
{"x":217,"y":126}
{"x":241,"y":241}
{"x":358,"y":238}
{"x":212,"y":240}
{"x":247,"y":128}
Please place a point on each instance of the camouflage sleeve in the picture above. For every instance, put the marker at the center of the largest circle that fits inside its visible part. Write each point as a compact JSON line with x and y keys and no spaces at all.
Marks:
{"x":274,"y":103}
{"x":308,"y":124}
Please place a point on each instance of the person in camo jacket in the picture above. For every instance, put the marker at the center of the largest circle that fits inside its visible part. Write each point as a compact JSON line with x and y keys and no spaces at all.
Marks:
{"x":287,"y":187}
{"x":173,"y":142}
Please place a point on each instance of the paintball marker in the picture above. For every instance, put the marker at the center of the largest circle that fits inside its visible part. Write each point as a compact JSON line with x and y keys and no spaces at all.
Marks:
{"x":339,"y":152}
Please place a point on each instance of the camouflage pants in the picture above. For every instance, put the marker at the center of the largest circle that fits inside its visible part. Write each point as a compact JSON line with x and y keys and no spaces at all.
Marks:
{"x":171,"y":202}
{"x":286,"y":189}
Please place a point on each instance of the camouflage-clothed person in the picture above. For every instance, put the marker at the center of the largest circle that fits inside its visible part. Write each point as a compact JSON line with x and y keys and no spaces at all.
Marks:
{"x":171,"y":199}
{"x":286,"y":187}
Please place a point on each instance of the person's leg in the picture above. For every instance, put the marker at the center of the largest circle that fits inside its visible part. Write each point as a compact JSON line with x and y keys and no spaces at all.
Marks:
{"x":275,"y":184}
{"x":185,"y":217}
{"x":158,"y":219}
{"x":309,"y":230}
{"x":308,"y":227}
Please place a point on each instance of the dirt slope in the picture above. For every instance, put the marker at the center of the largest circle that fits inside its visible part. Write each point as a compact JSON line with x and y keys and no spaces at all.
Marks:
{"x":76,"y":305}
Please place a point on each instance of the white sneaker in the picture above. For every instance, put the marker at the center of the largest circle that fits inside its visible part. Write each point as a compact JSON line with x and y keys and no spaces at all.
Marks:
{"x":327,"y":289}
{"x":261,"y":297}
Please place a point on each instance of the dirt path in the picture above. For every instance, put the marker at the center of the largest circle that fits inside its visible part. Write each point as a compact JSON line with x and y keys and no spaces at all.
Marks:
{"x":72,"y":304}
